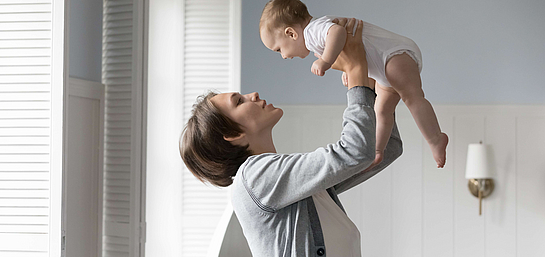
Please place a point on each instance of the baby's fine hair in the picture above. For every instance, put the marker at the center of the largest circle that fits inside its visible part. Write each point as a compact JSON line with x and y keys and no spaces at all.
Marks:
{"x":283,"y":13}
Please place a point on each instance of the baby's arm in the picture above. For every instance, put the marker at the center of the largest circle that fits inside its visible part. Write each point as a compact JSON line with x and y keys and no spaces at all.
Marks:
{"x":336,"y":37}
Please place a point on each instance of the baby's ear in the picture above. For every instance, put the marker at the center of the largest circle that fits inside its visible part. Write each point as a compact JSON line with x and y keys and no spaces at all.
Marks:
{"x":291,"y":33}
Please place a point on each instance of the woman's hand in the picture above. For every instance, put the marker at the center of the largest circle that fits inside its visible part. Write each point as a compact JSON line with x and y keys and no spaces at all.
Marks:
{"x":352,"y":59}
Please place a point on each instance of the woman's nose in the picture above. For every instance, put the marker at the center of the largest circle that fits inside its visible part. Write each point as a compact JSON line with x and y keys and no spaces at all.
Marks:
{"x":254,"y":96}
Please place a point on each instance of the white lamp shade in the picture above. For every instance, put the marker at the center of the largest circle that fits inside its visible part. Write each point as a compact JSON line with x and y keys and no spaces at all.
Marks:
{"x":478,"y":162}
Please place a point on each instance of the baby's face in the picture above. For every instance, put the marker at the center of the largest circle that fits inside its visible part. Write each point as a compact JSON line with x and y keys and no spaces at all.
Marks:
{"x":289,"y":45}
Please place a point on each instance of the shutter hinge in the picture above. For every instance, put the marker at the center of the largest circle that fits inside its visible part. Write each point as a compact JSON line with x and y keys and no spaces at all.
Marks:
{"x":63,"y":243}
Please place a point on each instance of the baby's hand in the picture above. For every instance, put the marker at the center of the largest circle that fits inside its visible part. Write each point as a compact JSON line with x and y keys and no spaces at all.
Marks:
{"x":319,"y":67}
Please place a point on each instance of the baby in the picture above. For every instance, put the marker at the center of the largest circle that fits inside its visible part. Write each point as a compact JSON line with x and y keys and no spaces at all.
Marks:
{"x":394,"y":62}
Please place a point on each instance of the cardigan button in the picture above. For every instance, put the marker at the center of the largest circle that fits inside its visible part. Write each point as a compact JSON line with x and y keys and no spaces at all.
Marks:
{"x":320,"y":252}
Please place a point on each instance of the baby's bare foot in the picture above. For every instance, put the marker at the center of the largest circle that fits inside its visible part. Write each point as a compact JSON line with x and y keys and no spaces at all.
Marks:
{"x":439,"y":150}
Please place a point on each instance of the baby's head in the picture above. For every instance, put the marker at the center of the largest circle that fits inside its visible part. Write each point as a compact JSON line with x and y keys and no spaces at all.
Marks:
{"x":281,"y":27}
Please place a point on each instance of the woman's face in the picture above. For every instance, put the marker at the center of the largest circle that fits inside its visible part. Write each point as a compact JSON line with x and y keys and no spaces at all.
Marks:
{"x":253,"y":114}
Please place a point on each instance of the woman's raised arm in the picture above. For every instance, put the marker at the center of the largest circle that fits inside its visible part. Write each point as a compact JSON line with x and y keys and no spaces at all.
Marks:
{"x":352,"y":59}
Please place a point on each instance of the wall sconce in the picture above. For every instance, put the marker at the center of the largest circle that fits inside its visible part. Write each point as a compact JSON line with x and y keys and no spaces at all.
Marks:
{"x":479,"y":171}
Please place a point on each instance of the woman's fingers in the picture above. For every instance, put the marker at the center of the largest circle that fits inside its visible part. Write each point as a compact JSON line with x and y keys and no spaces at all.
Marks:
{"x":359,"y":29}
{"x":340,"y":21}
{"x":350,"y":26}
{"x":355,"y":39}
{"x":344,"y":79}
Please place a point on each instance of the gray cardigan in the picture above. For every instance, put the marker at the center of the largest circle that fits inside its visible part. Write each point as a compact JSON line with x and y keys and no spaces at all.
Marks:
{"x":272,"y":193}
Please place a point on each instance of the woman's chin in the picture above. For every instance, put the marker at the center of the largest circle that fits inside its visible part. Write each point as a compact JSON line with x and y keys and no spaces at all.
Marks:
{"x":280,"y":114}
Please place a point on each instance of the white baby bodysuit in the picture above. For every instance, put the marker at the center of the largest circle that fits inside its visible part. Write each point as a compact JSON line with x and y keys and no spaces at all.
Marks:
{"x":380,"y":45}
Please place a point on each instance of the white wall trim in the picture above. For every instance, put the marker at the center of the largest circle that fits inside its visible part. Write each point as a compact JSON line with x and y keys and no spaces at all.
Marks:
{"x":164,"y":105}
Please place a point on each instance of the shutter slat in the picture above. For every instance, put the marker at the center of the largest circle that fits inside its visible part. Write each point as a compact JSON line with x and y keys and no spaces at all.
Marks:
{"x":6,"y":2}
{"x":25,"y":78}
{"x":23,"y":193}
{"x":24,"y":17}
{"x":7,"y":166}
{"x":117,"y":23}
{"x":26,"y":52}
{"x":24,"y":202}
{"x":30,"y":34}
{"x":14,"y":61}
{"x":28,"y":43}
{"x":25,"y":123}
{"x":37,"y":25}
{"x":19,"y":70}
{"x":25,"y":211}
{"x":24,"y":131}
{"x":24,"y":220}
{"x":24,"y":229}
{"x":24,"y":157}
{"x":42,"y":105}
{"x":25,"y":141}
{"x":25,"y":8}
{"x":24,"y":115}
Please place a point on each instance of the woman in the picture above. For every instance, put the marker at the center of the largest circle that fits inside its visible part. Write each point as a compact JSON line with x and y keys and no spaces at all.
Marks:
{"x":287,"y":204}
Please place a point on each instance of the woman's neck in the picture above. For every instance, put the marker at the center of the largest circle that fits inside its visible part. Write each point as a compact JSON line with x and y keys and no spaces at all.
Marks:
{"x":262,"y":143}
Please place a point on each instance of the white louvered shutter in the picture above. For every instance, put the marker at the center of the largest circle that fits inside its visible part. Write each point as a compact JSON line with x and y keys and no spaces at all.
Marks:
{"x":211,"y":61}
{"x":121,"y":75}
{"x":29,"y":84}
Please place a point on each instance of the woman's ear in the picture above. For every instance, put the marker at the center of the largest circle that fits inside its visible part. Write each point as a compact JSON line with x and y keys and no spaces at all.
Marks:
{"x":235,"y":139}
{"x":291,"y":33}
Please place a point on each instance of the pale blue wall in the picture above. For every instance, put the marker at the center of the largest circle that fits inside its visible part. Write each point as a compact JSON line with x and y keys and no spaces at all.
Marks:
{"x":475,"y":52}
{"x":85,"y":39}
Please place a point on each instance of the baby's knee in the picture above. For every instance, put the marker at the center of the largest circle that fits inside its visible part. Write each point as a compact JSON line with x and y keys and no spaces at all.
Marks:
{"x":411,"y":99}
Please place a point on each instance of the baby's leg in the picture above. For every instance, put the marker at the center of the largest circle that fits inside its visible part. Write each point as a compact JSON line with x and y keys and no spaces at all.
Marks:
{"x":404,"y":76}
{"x":385,"y":105}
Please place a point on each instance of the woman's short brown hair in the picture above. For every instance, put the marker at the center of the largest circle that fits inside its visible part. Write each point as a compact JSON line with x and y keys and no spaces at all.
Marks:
{"x":283,"y":13}
{"x":203,"y":148}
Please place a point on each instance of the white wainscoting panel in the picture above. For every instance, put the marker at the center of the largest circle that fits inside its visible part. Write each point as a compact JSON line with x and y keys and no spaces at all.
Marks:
{"x":437,"y":190}
{"x":530,"y":168}
{"x":414,"y":209}
{"x":84,"y":168}
{"x":501,"y":206}
{"x":407,"y":189}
